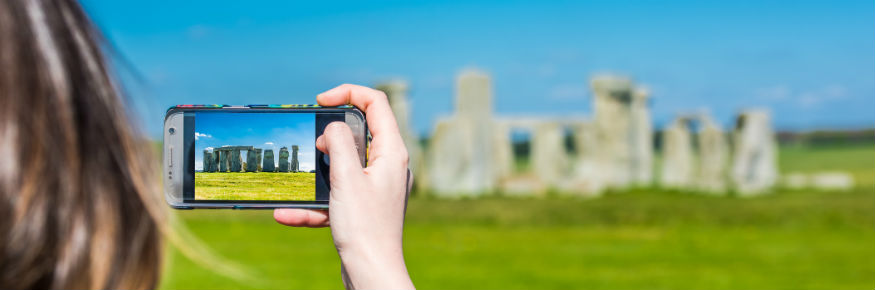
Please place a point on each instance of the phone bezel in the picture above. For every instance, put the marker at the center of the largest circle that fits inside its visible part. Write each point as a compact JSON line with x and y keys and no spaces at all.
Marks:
{"x":178,"y":167}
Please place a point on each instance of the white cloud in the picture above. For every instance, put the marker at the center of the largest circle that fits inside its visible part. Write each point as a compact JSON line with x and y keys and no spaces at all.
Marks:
{"x":209,"y":148}
{"x":816,"y":97}
{"x":198,"y":135}
{"x":775,"y":93}
{"x":306,"y":166}
{"x":569,"y":92}
{"x":268,"y":143}
{"x":805,"y":99}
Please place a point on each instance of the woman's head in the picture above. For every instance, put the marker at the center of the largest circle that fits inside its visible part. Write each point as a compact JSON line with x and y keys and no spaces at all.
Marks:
{"x":76,"y":207}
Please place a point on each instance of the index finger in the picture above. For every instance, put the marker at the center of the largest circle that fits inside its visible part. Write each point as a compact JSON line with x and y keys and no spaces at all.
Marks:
{"x":381,"y":120}
{"x":297,"y":217}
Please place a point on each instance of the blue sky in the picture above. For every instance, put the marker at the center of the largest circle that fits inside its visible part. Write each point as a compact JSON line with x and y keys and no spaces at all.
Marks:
{"x":265,"y":131}
{"x":811,"y":62}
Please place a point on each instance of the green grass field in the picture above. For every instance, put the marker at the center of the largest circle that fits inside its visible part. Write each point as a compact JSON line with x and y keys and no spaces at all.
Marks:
{"x":643,"y":239}
{"x":255,"y":186}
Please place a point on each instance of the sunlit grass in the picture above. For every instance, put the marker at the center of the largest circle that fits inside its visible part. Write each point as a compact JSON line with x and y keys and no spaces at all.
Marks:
{"x":641,"y":239}
{"x":255,"y":186}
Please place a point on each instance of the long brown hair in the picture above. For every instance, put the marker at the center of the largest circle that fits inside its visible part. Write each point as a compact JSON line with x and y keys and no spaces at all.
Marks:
{"x":77,"y":201}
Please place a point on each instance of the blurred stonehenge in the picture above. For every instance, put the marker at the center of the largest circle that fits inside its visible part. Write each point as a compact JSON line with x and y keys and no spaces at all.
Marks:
{"x":229,"y":159}
{"x":472,"y":152}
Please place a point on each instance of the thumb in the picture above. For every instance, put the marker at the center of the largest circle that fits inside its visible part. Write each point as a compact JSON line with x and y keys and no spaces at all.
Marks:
{"x":338,"y":143}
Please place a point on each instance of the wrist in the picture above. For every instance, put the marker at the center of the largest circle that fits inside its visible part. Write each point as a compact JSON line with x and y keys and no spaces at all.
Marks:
{"x":373,"y":267}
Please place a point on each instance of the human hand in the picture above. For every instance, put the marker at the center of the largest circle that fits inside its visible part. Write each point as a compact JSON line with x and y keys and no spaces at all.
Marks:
{"x":367,"y":205}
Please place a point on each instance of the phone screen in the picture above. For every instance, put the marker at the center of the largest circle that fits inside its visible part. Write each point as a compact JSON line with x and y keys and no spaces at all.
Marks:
{"x":254,"y":156}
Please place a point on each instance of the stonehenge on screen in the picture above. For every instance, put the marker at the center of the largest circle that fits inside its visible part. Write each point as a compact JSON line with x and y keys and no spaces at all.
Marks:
{"x":229,"y":159}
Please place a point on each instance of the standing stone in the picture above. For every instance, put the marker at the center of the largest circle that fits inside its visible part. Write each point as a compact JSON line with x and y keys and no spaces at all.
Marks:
{"x":754,"y":168}
{"x":474,"y":107}
{"x":612,"y":98}
{"x":294,"y":167}
{"x":251,"y":160}
{"x":268,"y":164}
{"x":214,"y":162}
{"x":461,"y":160}
{"x":207,"y":162}
{"x":586,"y":172}
{"x":622,"y":124}
{"x":236,"y":161}
{"x":677,"y":155}
{"x":284,"y":160}
{"x":713,"y":157}
{"x":446,"y":159}
{"x":641,"y":138}
{"x":223,"y":160}
{"x":396,"y":91}
{"x":258,"y":159}
{"x":549,"y":159}
{"x":502,"y":154}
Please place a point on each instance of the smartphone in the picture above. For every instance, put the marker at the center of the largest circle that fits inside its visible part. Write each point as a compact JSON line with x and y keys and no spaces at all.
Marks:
{"x":253,"y":156}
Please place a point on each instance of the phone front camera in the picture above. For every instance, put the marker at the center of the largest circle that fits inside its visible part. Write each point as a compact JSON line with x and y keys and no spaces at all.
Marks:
{"x":171,"y":131}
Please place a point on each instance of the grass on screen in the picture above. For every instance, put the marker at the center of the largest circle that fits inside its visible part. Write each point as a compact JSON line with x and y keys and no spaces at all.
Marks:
{"x":255,"y":186}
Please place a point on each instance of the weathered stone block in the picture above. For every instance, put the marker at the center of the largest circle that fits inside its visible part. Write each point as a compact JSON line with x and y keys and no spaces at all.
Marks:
{"x":549,"y":159}
{"x":284,"y":160}
{"x":713,"y":157}
{"x":251,"y":161}
{"x":754,"y":166}
{"x":236,"y":161}
{"x":207,"y":162}
{"x":258,"y":159}
{"x":268,"y":164}
{"x":293,"y":167}
{"x":223,"y":161}
{"x":214,"y":164}
{"x":622,"y":124}
{"x":677,"y":155}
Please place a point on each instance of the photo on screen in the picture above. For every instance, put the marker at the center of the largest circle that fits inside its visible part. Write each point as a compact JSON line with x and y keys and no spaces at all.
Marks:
{"x":255,"y":156}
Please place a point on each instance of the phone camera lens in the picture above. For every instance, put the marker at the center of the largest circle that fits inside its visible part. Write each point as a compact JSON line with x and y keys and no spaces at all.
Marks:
{"x":171,"y":131}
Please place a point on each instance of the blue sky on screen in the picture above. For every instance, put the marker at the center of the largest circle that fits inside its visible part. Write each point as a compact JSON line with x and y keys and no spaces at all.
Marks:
{"x":265,"y":131}
{"x":811,"y":62}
